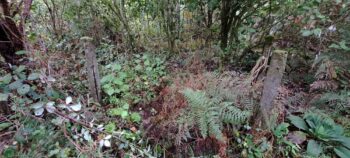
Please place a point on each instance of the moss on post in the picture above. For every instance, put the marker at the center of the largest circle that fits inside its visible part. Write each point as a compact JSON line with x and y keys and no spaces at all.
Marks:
{"x":92,"y":69}
{"x":271,"y":84}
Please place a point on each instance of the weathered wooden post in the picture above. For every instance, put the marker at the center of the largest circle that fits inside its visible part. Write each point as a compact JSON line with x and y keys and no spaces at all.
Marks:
{"x":271,"y":84}
{"x":4,"y":107}
{"x":92,"y":69}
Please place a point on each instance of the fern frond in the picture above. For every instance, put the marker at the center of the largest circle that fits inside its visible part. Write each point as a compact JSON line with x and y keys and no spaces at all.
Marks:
{"x":339,"y":101}
{"x":203,"y":125}
{"x":210,"y":113}
{"x":247,"y":102}
{"x":196,"y":99}
{"x":215,"y":129}
{"x":233,"y":115}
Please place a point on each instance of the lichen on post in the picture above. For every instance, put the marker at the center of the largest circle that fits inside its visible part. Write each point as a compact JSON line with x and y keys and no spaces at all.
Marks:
{"x":271,"y":84}
{"x":92,"y":69}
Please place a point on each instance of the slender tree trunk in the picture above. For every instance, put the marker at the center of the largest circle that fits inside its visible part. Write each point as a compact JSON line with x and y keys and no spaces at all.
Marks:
{"x":52,"y":11}
{"x":10,"y":36}
{"x":170,"y":20}
{"x":124,"y":20}
{"x":224,"y":36}
{"x":25,"y":15}
{"x":121,"y":14}
{"x":225,"y":23}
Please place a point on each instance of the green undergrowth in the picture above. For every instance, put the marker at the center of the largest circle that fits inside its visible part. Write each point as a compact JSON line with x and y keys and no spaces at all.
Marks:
{"x":132,"y":82}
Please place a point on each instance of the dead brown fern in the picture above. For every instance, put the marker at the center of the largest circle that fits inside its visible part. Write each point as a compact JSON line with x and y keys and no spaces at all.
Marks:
{"x":326,"y":76}
{"x":324,"y":85}
{"x":166,"y":125}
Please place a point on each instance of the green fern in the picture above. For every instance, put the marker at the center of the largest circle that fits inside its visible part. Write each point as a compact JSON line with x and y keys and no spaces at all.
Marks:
{"x":210,"y":113}
{"x":340,"y":101}
{"x":233,"y":115}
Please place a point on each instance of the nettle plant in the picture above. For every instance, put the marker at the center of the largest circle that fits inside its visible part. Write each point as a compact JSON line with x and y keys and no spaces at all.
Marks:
{"x":23,"y":89}
{"x":32,"y":94}
{"x":131,"y":83}
{"x":34,"y":91}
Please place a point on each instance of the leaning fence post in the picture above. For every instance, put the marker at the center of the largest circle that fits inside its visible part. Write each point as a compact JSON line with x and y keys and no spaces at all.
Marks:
{"x":92,"y":69}
{"x":271,"y":84}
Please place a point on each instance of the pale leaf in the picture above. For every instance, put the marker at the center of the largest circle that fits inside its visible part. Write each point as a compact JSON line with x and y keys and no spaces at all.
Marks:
{"x":76,"y":107}
{"x":38,"y":111}
{"x":107,"y":143}
{"x":69,"y":100}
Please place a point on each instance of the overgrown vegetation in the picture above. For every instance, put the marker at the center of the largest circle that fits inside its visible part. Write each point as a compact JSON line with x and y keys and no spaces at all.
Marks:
{"x":175,"y":78}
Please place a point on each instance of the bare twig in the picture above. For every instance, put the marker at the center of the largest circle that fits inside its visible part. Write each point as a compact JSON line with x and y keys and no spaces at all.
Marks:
{"x":75,"y":144}
{"x":7,"y":133}
{"x":71,"y":119}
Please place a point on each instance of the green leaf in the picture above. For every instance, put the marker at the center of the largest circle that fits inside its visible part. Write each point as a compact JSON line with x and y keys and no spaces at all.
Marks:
{"x":117,"y":67}
{"x":135,"y":117}
{"x":52,"y":93}
{"x":138,"y":67}
{"x":342,"y":152}
{"x":137,"y":61}
{"x":345,"y":141}
{"x":147,"y":62}
{"x":124,"y":88}
{"x":15,"y":85}
{"x":118,"y":82}
{"x":110,"y":127}
{"x":122,"y":75}
{"x":5,"y":125}
{"x":317,"y":32}
{"x":298,"y":122}
{"x":334,"y":46}
{"x":281,"y":129}
{"x":110,"y":91}
{"x":314,"y":148}
{"x":126,"y":106}
{"x":37,"y":105}
{"x":23,"y":90}
{"x":33,"y":76}
{"x":115,"y":111}
{"x":4,"y":96}
{"x":53,"y":152}
{"x":9,"y":153}
{"x":124,"y":114}
{"x":306,"y":33}
{"x":343,"y":46}
{"x":21,"y":52}
{"x":20,"y":69}
{"x":6,"y":79}
{"x":107,"y":78}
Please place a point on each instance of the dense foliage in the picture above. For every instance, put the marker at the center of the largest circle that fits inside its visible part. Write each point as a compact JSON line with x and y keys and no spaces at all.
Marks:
{"x":175,"y":78}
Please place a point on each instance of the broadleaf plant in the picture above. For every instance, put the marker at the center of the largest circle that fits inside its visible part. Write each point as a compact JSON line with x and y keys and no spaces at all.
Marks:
{"x":324,"y":133}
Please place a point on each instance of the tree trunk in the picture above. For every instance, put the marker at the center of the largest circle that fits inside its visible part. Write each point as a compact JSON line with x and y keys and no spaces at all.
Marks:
{"x":11,"y":35}
{"x":170,"y":20}
{"x":233,"y":13}
{"x":225,"y":27}
{"x":121,"y":14}
{"x":272,"y":83}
